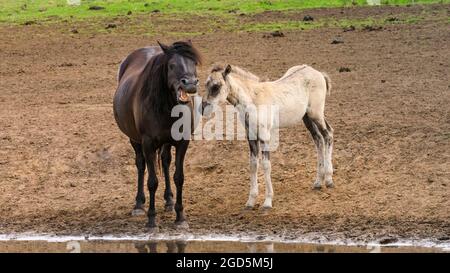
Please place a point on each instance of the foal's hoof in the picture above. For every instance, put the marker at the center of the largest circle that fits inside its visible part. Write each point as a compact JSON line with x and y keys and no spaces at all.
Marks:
{"x":329,"y":184}
{"x":182,"y":225}
{"x":247,"y":207}
{"x":317,"y":187}
{"x":138,"y":212}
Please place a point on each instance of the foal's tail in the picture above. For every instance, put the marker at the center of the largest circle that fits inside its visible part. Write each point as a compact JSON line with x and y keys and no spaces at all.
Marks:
{"x":328,"y":82}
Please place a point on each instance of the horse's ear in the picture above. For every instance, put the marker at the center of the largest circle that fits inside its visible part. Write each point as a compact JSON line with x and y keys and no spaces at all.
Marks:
{"x":227,"y":71}
{"x":163,"y":46}
{"x":189,"y":42}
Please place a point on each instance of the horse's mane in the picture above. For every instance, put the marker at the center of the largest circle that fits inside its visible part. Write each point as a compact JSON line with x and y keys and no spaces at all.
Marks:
{"x":155,"y":88}
{"x":238,"y":71}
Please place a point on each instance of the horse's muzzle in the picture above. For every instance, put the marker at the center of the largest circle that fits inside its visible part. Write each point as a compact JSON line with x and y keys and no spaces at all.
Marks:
{"x":189,"y":85}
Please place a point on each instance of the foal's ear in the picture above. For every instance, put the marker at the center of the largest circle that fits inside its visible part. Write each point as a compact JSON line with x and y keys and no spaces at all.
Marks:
{"x":163,"y":46}
{"x":227,"y":71}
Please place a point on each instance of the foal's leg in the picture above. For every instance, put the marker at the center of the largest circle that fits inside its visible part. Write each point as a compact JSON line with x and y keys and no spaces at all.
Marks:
{"x":150,"y":157}
{"x":254,"y":152}
{"x":267,"y":175}
{"x":320,"y":147}
{"x":327,"y":132}
{"x":166,"y":158}
{"x":140,"y":165}
{"x":178,"y":177}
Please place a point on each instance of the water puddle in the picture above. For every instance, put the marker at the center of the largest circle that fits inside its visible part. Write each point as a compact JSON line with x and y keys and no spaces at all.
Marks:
{"x":81,"y":244}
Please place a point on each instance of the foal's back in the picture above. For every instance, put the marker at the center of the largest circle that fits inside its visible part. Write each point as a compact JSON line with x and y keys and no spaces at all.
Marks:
{"x":302,"y":89}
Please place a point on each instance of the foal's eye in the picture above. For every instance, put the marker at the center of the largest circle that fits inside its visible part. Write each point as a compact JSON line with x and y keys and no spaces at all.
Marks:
{"x":171,"y":66}
{"x":215,"y":89}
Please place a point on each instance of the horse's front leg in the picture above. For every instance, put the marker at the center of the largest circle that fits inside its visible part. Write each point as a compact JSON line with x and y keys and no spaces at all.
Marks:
{"x":178,"y":177}
{"x":267,"y":167}
{"x":166,"y":158}
{"x":254,"y":152}
{"x":150,"y":157}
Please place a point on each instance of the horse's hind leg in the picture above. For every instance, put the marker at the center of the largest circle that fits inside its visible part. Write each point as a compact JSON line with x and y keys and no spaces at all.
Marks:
{"x":320,"y":147}
{"x":328,"y":137}
{"x":327,"y":133}
{"x":140,"y":165}
{"x":166,"y":158}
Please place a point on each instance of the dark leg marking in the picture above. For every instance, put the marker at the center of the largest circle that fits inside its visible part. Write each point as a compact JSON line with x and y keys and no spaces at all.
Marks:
{"x":320,"y":147}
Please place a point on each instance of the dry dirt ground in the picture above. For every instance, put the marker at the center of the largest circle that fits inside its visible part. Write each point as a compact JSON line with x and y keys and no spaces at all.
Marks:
{"x":66,"y":168}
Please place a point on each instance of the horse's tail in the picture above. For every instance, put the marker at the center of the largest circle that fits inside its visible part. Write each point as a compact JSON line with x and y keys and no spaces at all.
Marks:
{"x":328,"y":82}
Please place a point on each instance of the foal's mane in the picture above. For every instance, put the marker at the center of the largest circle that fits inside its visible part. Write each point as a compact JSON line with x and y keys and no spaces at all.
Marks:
{"x":238,"y":71}
{"x":155,"y":87}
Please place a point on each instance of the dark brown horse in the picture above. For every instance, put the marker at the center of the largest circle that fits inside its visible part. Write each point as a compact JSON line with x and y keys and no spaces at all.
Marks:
{"x":152,"y":80}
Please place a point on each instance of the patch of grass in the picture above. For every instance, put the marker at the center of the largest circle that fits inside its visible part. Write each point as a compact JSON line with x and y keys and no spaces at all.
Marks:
{"x":19,"y":11}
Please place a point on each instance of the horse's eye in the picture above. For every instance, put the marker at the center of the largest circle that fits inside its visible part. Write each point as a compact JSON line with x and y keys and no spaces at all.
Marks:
{"x":215,"y":89}
{"x":171,"y":66}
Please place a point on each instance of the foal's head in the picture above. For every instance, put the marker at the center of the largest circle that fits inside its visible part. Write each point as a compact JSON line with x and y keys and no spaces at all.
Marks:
{"x":216,"y":88}
{"x":180,"y":61}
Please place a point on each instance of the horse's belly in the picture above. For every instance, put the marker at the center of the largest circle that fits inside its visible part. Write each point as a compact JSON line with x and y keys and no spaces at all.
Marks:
{"x":291,"y":113}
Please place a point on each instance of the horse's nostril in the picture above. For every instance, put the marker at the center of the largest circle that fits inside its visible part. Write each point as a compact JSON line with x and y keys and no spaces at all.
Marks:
{"x":196,"y":81}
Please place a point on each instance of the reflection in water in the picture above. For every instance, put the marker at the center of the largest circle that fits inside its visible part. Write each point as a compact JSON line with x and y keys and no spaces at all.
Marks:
{"x":251,"y":247}
{"x":152,"y":247}
{"x":198,"y":246}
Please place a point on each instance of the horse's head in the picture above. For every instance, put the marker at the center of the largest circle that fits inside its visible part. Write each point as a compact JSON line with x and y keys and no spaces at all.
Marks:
{"x":216,"y":88}
{"x":181,"y":62}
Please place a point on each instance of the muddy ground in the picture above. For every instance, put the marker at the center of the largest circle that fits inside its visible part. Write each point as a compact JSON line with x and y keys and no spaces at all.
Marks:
{"x":66,"y":168}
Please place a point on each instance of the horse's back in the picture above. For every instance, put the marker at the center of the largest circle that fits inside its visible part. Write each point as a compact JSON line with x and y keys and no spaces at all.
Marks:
{"x":137,"y":60}
{"x":130,"y":81}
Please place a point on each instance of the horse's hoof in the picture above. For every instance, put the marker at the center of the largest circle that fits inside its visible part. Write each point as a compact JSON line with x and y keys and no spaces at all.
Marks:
{"x":138,"y":212}
{"x":266,"y":208}
{"x":317,"y":187}
{"x":152,"y":228}
{"x":329,"y":183}
{"x":168,"y":208}
{"x":182,"y":225}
